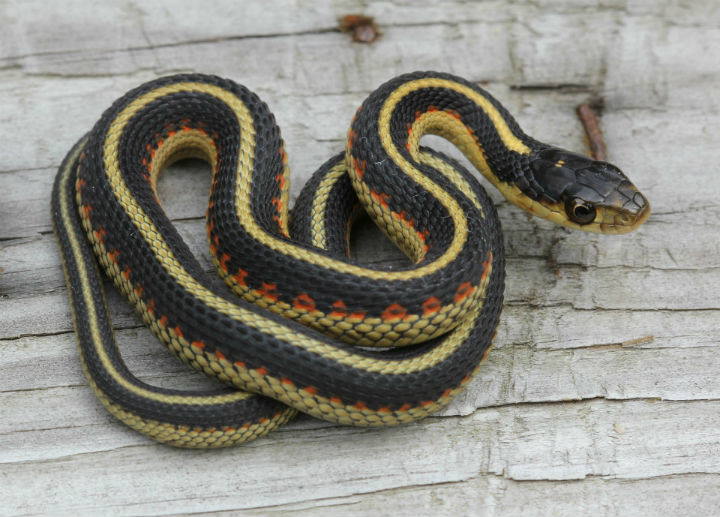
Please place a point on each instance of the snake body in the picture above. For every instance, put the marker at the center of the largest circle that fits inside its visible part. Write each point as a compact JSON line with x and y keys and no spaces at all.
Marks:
{"x":313,"y":330}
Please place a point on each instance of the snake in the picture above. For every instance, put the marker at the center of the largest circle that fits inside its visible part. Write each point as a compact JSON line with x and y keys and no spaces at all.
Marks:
{"x":300,"y":324}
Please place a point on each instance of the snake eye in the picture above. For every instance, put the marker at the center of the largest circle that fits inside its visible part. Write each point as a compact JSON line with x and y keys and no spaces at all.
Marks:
{"x":579,"y":211}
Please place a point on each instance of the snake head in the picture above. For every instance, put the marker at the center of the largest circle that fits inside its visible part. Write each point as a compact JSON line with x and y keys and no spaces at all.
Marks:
{"x":588,"y":194}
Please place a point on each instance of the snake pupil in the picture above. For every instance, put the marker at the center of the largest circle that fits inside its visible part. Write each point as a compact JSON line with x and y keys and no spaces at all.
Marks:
{"x":580,"y":212}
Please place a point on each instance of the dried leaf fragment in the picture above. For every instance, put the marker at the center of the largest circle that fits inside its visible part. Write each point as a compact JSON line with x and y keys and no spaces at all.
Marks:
{"x":362,"y":28}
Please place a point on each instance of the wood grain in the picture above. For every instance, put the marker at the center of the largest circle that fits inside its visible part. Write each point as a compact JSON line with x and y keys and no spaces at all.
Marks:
{"x":601,"y":395}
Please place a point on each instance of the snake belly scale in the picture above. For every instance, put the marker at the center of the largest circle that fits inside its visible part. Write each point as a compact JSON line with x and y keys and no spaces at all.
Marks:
{"x":310,"y":330}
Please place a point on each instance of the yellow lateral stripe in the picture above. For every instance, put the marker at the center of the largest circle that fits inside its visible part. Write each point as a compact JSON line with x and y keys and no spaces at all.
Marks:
{"x":165,"y":256}
{"x":65,"y":208}
{"x":319,"y":204}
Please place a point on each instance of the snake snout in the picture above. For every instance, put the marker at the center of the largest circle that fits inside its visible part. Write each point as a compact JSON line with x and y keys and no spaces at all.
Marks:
{"x":635,"y":211}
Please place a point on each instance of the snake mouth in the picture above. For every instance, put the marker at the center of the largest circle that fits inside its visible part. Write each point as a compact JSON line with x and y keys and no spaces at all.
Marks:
{"x":636,"y":211}
{"x":631,"y":216}
{"x":643,"y":214}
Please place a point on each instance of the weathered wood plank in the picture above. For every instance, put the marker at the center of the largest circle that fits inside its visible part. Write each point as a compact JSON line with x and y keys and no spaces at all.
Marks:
{"x":565,"y":441}
{"x":601,"y":395}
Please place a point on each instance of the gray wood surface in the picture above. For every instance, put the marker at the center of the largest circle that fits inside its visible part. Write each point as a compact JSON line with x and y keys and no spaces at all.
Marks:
{"x":602,"y":395}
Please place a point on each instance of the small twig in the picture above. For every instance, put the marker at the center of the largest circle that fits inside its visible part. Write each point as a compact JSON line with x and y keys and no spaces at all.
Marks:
{"x":589,"y":119}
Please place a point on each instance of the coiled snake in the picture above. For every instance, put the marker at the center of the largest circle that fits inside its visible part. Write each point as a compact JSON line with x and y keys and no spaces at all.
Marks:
{"x":314,"y":331}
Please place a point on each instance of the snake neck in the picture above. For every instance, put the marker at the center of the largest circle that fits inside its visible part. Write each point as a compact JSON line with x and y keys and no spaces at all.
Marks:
{"x":552,"y":183}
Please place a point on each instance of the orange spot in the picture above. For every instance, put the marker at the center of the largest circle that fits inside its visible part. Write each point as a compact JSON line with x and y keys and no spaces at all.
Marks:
{"x":246,"y":426}
{"x":338,"y":309}
{"x":163,"y":321}
{"x":453,"y":114}
{"x":79,"y":184}
{"x":381,"y":198}
{"x":425,"y":403}
{"x":432,"y":108}
{"x":240,"y":364}
{"x":360,"y":166}
{"x":198,"y":344}
{"x":239,"y":277}
{"x":151,"y":306}
{"x":357,"y":316}
{"x":431,"y":306}
{"x":280,"y":222}
{"x":404,"y":407}
{"x":139,"y":290}
{"x":113,"y":255}
{"x":287,"y":381}
{"x":263,"y":420}
{"x":261,"y":371}
{"x":304,"y":302}
{"x":223,"y":261}
{"x":352,"y":136}
{"x":280,"y":179}
{"x":220,"y":356}
{"x":335,"y":400}
{"x":360,"y":405}
{"x":394,"y":312}
{"x":229,"y":429}
{"x":312,"y":390}
{"x":126,"y":273}
{"x":384,"y":409}
{"x":486,"y":265}
{"x":267,"y":291}
{"x":178,"y":332}
{"x":447,"y":392}
{"x":86,"y":210}
{"x":465,"y":290}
